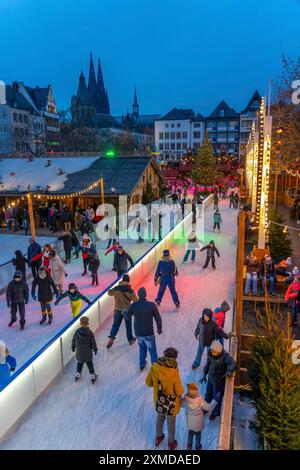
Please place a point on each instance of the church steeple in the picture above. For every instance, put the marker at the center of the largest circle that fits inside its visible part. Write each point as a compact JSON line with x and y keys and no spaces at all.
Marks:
{"x":135,"y":107}
{"x":92,"y":86}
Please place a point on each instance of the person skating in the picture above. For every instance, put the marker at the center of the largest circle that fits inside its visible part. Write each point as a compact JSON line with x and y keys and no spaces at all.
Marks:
{"x":84,"y":344}
{"x":123,"y":295}
{"x":66,"y":218}
{"x":195,"y":407}
{"x":8,"y":365}
{"x":58,"y":270}
{"x":252,"y":264}
{"x":75,"y":298}
{"x":66,"y":238}
{"x":219,"y":316}
{"x":165,"y":277}
{"x":217,"y":221}
{"x":75,"y":243}
{"x":205,"y":333}
{"x":211,"y":249}
{"x":139,"y":225}
{"x":85,"y":246}
{"x":144,"y":313}
{"x":164,"y":377}
{"x":156,"y":225}
{"x":94,"y":264}
{"x":236,"y":201}
{"x":46,"y":286}
{"x":192,"y":246}
{"x":216,"y":201}
{"x":231,"y":199}
{"x":20,"y":263}
{"x":219,"y":366}
{"x":121,"y":259}
{"x":34,"y":256}
{"x":17,"y":294}
{"x":293,"y":298}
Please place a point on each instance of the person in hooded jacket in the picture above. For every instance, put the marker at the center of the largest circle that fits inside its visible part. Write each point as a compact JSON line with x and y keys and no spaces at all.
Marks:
{"x":84,"y":344}
{"x":206,"y":332}
{"x":34,"y":256}
{"x":94,"y":264}
{"x":66,"y":238}
{"x":20,"y":263}
{"x":219,"y":316}
{"x":211,"y":249}
{"x":219,"y":366}
{"x":164,"y":377}
{"x":8,"y":365}
{"x":17,"y":294}
{"x":195,"y":407}
{"x":217,"y":221}
{"x":165,"y":277}
{"x":121,"y":259}
{"x":46,"y":286}
{"x":123,"y":295}
{"x":75,"y":298}
{"x":85,"y":246}
{"x":58,"y":270}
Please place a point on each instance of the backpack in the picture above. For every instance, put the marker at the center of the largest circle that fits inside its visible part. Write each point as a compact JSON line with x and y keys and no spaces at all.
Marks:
{"x":165,"y":404}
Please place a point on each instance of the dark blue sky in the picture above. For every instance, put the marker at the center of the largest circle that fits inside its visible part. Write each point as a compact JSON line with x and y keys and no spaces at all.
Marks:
{"x":189,"y":53}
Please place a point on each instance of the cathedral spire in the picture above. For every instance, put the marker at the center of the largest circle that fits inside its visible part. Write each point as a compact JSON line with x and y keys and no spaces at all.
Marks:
{"x":92,"y":86}
{"x":135,"y":107}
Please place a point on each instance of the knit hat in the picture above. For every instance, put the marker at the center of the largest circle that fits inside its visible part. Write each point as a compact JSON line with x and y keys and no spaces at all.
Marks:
{"x":126,"y":278}
{"x":166,"y":252}
{"x":193,"y":390}
{"x":142,"y":293}
{"x":295,"y":271}
{"x":216,"y":346}
{"x":207,"y":312}
{"x":72,"y":286}
{"x":18,"y":274}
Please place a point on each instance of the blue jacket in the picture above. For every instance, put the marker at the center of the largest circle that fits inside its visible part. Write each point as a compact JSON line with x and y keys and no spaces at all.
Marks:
{"x":217,"y":218}
{"x":5,"y":370}
{"x":166,"y":270}
{"x":33,"y":250}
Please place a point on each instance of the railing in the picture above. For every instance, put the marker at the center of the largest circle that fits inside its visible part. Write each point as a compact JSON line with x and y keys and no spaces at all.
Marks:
{"x":37,"y":373}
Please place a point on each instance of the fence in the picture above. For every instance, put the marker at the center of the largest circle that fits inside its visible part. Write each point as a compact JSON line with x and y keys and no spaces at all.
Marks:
{"x":37,"y":373}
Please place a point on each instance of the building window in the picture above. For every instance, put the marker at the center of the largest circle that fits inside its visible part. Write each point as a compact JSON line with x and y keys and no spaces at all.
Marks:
{"x":161,"y":146}
{"x":197,"y":124}
{"x":222,"y":113}
{"x":184,"y":135}
{"x":4,"y":114}
{"x":178,"y":124}
{"x":197,"y":135}
{"x":17,"y":131}
{"x":172,"y":135}
{"x":167,"y":125}
{"x":178,"y":135}
{"x":15,"y":117}
{"x":178,"y":146}
{"x":172,"y":125}
{"x":184,"y":145}
{"x":167,"y":135}
{"x":167,"y":146}
{"x":161,"y":136}
{"x":173,"y":146}
{"x":20,"y":118}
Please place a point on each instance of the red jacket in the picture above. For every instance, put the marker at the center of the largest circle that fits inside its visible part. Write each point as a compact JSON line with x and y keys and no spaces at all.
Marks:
{"x":292,"y":291}
{"x":219,"y":317}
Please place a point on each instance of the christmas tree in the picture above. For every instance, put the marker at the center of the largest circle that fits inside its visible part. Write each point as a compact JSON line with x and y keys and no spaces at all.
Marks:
{"x":280,"y":243}
{"x":205,"y":169}
{"x":275,"y":383}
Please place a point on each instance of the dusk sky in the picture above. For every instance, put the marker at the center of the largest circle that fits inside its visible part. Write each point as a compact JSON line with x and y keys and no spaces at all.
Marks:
{"x":179,"y":53}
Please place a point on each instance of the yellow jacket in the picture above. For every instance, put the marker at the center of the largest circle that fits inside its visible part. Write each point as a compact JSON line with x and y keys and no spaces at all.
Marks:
{"x":165,"y":370}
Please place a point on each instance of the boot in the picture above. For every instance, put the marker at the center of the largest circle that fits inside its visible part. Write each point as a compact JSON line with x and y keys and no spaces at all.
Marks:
{"x":11,"y":323}
{"x":110,"y":343}
{"x":44,"y":318}
{"x":172,"y":445}
{"x":132,"y":341}
{"x":22,"y":326}
{"x":94,"y":378}
{"x":50,"y":317}
{"x":159,"y":440}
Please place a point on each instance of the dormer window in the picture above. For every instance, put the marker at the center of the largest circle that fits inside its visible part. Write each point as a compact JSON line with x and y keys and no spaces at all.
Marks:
{"x":222,"y":113}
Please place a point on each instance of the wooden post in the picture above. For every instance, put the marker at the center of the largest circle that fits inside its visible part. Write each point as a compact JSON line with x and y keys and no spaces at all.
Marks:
{"x":297,"y":178}
{"x":290,"y":175}
{"x":31,"y":216}
{"x":102,"y":190}
{"x":239,"y":287}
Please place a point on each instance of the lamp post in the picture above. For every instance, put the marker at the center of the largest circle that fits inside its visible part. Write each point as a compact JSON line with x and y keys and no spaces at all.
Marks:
{"x":102,"y":190}
{"x":31,"y":216}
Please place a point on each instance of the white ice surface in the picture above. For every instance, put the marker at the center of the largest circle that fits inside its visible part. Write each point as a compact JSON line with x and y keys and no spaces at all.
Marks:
{"x":118,"y":412}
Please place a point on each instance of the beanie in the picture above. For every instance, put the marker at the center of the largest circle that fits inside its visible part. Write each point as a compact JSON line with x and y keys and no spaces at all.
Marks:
{"x":166,"y":252}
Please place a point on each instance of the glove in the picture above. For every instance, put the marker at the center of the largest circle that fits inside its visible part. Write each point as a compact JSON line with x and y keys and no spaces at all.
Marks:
{"x":33,"y":296}
{"x":73,"y":349}
{"x":89,"y":302}
{"x":203,"y":380}
{"x":114,"y":269}
{"x":159,"y":332}
{"x":26,"y":301}
{"x":12,"y":369}
{"x":95,"y":352}
{"x":8,"y":304}
{"x":196,"y":336}
{"x":66,"y":274}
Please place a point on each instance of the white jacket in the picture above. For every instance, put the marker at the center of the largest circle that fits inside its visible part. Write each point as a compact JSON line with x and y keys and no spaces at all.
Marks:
{"x":194,"y":412}
{"x":58,"y":270}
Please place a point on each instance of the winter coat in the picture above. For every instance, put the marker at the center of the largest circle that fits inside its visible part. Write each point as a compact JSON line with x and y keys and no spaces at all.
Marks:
{"x":74,"y":238}
{"x":144,"y":312}
{"x":46,"y":287}
{"x":67,"y":241}
{"x":34,"y":252}
{"x":252,"y":265}
{"x":166,"y":372}
{"x":20,"y":263}
{"x":5,"y":370}
{"x":66,"y":215}
{"x":194,"y":411}
{"x":292,"y":293}
{"x":217,"y":218}
{"x":73,"y":297}
{"x":17,"y":292}
{"x":166,"y":271}
{"x":207,"y":332}
{"x":211,"y":250}
{"x":268,"y":269}
{"x":84,"y":344}
{"x":121,"y":261}
{"x":216,"y":368}
{"x":123,"y":295}
{"x":58,"y":270}
{"x":86,"y":226}
{"x":219,"y":317}
{"x":94,"y":262}
{"x":85,"y":248}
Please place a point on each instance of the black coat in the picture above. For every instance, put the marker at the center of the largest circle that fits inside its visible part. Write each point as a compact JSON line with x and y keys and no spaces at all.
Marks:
{"x":20,"y":263}
{"x":208,"y":332}
{"x":46,"y":287}
{"x":144,"y":312}
{"x":84,"y":344}
{"x":216,"y":368}
{"x":211,"y":250}
{"x":17,"y":292}
{"x":121,"y":261}
{"x":67,"y":241}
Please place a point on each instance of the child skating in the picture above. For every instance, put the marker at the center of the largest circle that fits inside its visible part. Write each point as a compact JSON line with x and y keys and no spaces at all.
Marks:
{"x":84,"y":344}
{"x":46,"y":286}
{"x":211,"y":249}
{"x":217,"y":221}
{"x":75,"y":298}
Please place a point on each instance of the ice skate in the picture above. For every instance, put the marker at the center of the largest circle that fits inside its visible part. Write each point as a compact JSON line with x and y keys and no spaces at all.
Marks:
{"x":43,"y":319}
{"x":11,"y":323}
{"x":94,"y":378}
{"x":159,"y":440}
{"x":77,"y":376}
{"x":132,"y":341}
{"x":172,"y":445}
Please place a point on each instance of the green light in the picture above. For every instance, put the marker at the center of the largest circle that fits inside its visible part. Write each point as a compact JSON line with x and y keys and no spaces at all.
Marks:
{"x":110,"y":153}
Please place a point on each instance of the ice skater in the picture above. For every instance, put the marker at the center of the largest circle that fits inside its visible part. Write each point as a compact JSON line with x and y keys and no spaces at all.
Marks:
{"x":165,"y":276}
{"x":217,"y":221}
{"x":211,"y":249}
{"x":75,"y":298}
{"x":84,"y":344}
{"x":46,"y":286}
{"x":17,"y":294}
